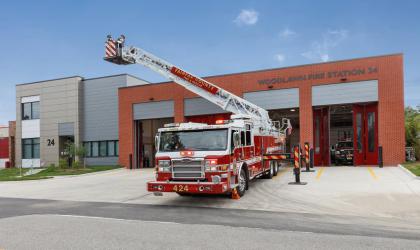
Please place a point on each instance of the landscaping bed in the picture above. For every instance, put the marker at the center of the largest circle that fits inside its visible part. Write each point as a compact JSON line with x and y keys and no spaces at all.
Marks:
{"x":14,"y":174}
{"x":414,"y":167}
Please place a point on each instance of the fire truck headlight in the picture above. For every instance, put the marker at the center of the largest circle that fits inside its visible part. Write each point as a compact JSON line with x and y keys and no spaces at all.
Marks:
{"x":164,"y":166}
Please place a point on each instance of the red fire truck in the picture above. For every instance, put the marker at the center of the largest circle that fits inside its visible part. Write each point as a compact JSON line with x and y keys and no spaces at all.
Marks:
{"x":198,"y":158}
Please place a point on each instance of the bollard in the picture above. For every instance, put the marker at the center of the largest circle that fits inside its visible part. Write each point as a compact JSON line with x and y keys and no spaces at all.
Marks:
{"x":130,"y":161}
{"x":311,"y":156}
{"x":307,"y":158}
{"x":296,"y":166}
{"x":380,"y":159}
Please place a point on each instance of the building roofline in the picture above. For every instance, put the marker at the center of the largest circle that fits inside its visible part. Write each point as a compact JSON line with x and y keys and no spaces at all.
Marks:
{"x":280,"y":68}
{"x":49,"y":80}
{"x":108,"y":76}
{"x":82,"y":78}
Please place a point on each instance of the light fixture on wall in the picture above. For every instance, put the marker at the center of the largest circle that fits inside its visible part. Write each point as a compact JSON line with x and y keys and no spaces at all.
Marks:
{"x":293,"y":110}
{"x":270,"y":86}
{"x":151,"y":99}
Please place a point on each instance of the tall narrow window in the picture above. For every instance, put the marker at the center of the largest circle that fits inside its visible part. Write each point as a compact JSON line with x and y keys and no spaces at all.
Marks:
{"x":95,"y":149}
{"x":117,"y":148}
{"x":87,"y":149}
{"x":26,"y":111}
{"x":243,"y":138}
{"x":359,"y":131}
{"x":371,"y":131}
{"x":111,"y":148}
{"x":102,"y":148}
{"x":35,"y":110}
{"x":248,"y":135}
{"x":317,"y":128}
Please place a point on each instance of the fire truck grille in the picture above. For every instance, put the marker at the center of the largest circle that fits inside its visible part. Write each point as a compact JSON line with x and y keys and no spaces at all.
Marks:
{"x":187,"y":169}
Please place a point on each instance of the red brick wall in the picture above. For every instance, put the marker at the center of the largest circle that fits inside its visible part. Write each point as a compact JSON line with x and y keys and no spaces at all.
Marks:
{"x":391,"y":98}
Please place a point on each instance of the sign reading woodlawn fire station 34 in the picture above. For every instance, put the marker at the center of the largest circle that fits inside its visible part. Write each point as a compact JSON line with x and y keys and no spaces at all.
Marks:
{"x":320,"y":75}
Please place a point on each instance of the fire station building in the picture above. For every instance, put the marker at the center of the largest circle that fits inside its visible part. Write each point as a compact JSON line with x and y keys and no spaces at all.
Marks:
{"x":358,"y":101}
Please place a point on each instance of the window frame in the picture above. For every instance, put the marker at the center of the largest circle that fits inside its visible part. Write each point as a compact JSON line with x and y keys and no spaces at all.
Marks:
{"x":35,"y":148}
{"x":102,"y":145}
{"x":31,"y":110}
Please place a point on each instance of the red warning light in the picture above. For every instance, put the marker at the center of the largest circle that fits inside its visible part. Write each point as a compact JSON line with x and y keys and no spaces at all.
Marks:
{"x":187,"y":153}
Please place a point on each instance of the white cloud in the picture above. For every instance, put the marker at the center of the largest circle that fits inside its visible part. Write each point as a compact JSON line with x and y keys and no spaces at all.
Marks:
{"x":287,"y":33}
{"x":247,"y":17}
{"x":320,"y":50}
{"x":280,"y":57}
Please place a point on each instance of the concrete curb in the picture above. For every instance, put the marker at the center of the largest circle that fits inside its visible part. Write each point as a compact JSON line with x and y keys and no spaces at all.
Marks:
{"x":87,"y":174}
{"x":408,"y":172}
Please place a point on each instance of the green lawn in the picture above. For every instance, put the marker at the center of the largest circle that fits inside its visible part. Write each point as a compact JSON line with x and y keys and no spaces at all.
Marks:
{"x":414,"y":167}
{"x":13,"y":174}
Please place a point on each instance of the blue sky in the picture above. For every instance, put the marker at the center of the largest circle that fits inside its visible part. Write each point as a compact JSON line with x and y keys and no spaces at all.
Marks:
{"x":50,"y":39}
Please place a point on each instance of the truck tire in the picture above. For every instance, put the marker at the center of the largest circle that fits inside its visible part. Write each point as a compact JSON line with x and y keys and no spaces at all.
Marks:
{"x":242,"y":183}
{"x":269,"y":174}
{"x":276,"y":168}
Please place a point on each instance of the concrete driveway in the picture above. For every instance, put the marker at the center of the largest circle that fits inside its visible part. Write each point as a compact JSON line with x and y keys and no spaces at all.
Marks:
{"x":362,"y":191}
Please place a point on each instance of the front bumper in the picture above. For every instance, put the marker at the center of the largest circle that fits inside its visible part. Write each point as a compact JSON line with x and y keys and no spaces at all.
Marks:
{"x":188,"y":187}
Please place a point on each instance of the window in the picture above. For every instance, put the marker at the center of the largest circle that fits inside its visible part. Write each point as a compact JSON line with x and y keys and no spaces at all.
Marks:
{"x":30,"y":148}
{"x":243,"y":138}
{"x":371,"y":131}
{"x":30,"y":110}
{"x":117,"y":149}
{"x":359,"y":132}
{"x":248,"y":140}
{"x":87,"y":146}
{"x":317,"y":132}
{"x":95,"y":149}
{"x":111,"y":148}
{"x":101,"y":148}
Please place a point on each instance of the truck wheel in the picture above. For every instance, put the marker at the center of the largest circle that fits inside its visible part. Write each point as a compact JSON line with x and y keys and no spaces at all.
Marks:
{"x":270,"y":172}
{"x":276,"y":168}
{"x":242,"y":180}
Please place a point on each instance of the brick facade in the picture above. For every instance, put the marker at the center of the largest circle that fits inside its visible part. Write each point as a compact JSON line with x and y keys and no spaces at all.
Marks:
{"x":388,"y":70}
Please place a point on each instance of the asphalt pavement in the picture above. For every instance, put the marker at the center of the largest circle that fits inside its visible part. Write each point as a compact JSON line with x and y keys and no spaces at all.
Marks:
{"x":78,"y":232}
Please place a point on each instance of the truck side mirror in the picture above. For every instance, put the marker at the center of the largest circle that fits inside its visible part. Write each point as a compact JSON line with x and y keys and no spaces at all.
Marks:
{"x":157,"y":142}
{"x":236,"y":139}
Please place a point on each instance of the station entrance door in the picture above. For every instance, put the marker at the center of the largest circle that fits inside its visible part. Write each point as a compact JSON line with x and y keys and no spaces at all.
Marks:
{"x":365,"y":134}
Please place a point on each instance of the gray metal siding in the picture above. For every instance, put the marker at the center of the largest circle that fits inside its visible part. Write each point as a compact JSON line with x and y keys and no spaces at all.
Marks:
{"x":103,"y":161}
{"x":66,"y":128}
{"x":200,"y":106}
{"x":351,"y":92}
{"x":100,"y":100}
{"x":153,"y":110}
{"x":274,"y":99}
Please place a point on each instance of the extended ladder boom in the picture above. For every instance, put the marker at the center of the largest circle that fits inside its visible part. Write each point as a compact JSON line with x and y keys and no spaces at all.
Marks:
{"x":117,"y":53}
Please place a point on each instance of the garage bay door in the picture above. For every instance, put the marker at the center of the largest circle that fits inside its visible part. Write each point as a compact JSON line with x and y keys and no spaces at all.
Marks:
{"x":200,"y":106}
{"x":153,"y":110}
{"x":351,"y":92}
{"x":274,"y":99}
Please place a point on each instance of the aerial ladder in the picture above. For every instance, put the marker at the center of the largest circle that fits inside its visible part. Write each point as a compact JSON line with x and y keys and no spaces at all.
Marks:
{"x":116,"y":52}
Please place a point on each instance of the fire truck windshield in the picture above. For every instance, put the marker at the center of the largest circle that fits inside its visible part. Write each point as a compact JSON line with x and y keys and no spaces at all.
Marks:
{"x":198,"y":140}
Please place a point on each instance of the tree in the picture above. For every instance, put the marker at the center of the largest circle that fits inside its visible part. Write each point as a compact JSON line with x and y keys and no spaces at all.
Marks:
{"x":412,"y":129}
{"x":73,"y":150}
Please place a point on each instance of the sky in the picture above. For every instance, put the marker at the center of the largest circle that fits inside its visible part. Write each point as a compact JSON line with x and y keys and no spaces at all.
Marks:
{"x":43,"y":40}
